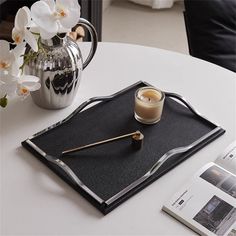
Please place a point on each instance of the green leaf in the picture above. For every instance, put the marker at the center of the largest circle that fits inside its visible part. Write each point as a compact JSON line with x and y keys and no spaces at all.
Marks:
{"x":3,"y":101}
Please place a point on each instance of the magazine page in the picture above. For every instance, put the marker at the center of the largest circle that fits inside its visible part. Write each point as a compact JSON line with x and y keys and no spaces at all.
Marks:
{"x":228,"y":158}
{"x":207,"y":203}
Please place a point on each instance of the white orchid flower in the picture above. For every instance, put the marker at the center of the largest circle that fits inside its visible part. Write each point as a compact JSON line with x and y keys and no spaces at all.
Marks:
{"x":6,"y":56}
{"x":9,"y":70}
{"x":27,"y":84}
{"x":21,"y":31}
{"x":53,"y":16}
{"x":10,"y":60}
{"x":11,"y":86}
{"x":21,"y":86}
{"x":8,"y":85}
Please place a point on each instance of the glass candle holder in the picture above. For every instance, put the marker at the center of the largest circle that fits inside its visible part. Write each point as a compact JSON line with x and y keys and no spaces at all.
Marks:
{"x":148,"y":105}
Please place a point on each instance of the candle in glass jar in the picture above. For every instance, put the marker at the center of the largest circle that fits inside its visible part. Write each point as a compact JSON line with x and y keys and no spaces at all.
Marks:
{"x":148,"y":105}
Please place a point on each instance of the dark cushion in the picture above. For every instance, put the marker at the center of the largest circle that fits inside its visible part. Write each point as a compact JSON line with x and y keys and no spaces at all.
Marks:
{"x":211,"y":31}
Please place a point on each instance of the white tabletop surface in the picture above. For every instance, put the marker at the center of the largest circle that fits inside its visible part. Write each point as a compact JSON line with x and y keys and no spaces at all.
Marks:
{"x":35,"y":201}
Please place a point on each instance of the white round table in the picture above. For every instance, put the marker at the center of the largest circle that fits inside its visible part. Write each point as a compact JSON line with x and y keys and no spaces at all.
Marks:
{"x":35,"y":201}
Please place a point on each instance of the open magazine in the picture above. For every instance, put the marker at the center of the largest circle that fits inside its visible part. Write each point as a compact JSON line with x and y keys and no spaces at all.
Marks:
{"x":207,"y":203}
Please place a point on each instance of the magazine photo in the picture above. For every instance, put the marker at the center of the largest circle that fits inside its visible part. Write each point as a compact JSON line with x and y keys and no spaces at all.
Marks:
{"x":207,"y":203}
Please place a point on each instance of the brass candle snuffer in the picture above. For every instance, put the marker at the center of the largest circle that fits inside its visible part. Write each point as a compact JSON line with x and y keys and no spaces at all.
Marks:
{"x":137,"y":142}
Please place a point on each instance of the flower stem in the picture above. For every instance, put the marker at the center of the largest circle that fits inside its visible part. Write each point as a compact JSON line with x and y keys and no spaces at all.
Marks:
{"x":31,"y":55}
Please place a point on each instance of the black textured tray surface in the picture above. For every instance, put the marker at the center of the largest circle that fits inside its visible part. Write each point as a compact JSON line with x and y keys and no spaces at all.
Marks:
{"x":109,"y":168}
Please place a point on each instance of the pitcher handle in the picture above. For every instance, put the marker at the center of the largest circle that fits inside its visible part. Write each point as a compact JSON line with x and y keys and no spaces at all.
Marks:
{"x":94,"y":39}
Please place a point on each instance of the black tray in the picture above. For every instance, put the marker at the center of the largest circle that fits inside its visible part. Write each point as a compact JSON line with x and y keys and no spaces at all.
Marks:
{"x":109,"y":174}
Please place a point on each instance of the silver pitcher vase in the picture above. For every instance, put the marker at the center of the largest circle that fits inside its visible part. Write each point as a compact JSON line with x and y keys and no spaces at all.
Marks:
{"x":59,"y":68}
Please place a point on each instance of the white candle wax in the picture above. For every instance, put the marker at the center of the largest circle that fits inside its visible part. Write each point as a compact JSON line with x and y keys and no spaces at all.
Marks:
{"x":148,"y":105}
